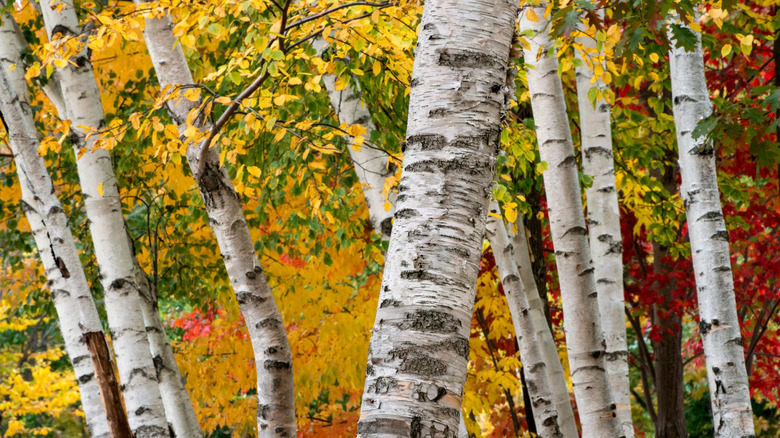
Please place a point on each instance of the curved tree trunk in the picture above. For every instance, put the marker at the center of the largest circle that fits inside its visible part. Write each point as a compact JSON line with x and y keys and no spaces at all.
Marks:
{"x":545,"y":412}
{"x":419,"y":347}
{"x":80,"y":93}
{"x":544,"y":336}
{"x":275,"y":385}
{"x":70,"y":291}
{"x":606,"y":243}
{"x":584,"y":337}
{"x":721,"y":337}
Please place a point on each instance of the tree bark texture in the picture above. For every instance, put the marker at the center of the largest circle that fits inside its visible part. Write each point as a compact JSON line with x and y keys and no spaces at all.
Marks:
{"x":544,"y":334}
{"x":719,"y":324}
{"x":73,"y":302}
{"x":584,"y":336}
{"x":606,"y":243}
{"x":419,"y":348}
{"x":275,"y":385}
{"x":371,"y":165}
{"x":545,"y":412}
{"x":144,"y":405}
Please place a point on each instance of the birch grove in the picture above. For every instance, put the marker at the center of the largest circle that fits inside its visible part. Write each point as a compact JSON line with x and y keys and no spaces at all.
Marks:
{"x":216,"y":185}
{"x":719,"y":324}
{"x":604,"y":223}
{"x":66,"y":281}
{"x":275,"y":394}
{"x":584,"y":337}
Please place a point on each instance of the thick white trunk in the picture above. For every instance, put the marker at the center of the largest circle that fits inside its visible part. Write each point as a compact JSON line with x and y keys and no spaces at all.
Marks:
{"x":534,"y":362}
{"x":604,"y":227}
{"x":70,"y":291}
{"x":419,"y":348}
{"x":584,"y":337}
{"x":143,"y":402}
{"x":371,"y":165}
{"x":723,"y":352}
{"x":275,"y":385}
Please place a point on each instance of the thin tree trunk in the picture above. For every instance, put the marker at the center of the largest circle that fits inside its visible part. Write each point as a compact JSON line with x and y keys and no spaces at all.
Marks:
{"x":419,"y":347}
{"x":606,"y":243}
{"x":584,"y":336}
{"x":721,"y":337}
{"x":144,"y":405}
{"x":545,"y":413}
{"x":109,"y":386}
{"x":371,"y":165}
{"x":275,"y":385}
{"x":544,"y":334}
{"x":76,"y":310}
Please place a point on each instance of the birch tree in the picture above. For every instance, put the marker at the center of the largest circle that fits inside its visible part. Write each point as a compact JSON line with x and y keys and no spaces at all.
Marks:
{"x":584,"y":336}
{"x":604,"y":221}
{"x":275,"y":393}
{"x":544,"y":336}
{"x":419,"y":346}
{"x":73,"y":302}
{"x":719,"y":324}
{"x":538,"y":377}
{"x":80,"y":93}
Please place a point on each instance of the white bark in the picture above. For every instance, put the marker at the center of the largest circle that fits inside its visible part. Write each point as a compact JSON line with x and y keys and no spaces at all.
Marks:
{"x":275,"y":385}
{"x":371,"y":165}
{"x":584,"y":337}
{"x":606,"y":243}
{"x":534,"y":362}
{"x":419,"y":348}
{"x":723,"y":352}
{"x":176,"y":400}
{"x":544,"y":336}
{"x":70,"y":291}
{"x":143,"y":402}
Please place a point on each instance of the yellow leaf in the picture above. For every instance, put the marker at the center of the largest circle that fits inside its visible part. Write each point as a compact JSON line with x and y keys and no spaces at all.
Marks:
{"x":224,"y":100}
{"x":279,"y":135}
{"x":295,"y":81}
{"x":100,"y":189}
{"x":60,"y":63}
{"x":388,"y":206}
{"x":654,"y":57}
{"x":375,"y":16}
{"x":254,"y":171}
{"x":279,"y":100}
{"x":377,"y":68}
{"x":511,"y":214}
{"x":12,"y":67}
{"x":531,"y":15}
{"x":746,"y":45}
{"x":725,"y":50}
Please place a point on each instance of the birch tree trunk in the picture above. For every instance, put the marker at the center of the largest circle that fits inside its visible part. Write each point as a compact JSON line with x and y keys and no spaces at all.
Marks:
{"x":370,"y":161}
{"x":544,"y":336}
{"x":275,"y":385}
{"x":419,"y":348}
{"x":70,"y":291}
{"x":584,"y":336}
{"x":606,"y":243}
{"x":719,"y":325}
{"x":534,"y":362}
{"x":143,"y":402}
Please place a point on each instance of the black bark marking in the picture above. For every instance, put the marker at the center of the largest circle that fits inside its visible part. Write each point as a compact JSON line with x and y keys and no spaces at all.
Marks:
{"x":568,"y":162}
{"x":721,"y":235}
{"x":576,"y":230}
{"x":467,"y":59}
{"x":245,"y":297}
{"x":389,"y":303}
{"x":387,"y":226}
{"x":426,"y":142}
{"x":683,"y":98}
{"x":406,"y":213}
{"x":85,"y":378}
{"x":705,"y":149}
{"x":431,"y":321}
{"x":704,"y":327}
{"x":276,"y":365}
{"x":377,"y":426}
{"x":591,"y":152}
{"x":269,"y":324}
{"x":710,"y":216}
{"x":382,"y":385}
{"x":119,"y":283}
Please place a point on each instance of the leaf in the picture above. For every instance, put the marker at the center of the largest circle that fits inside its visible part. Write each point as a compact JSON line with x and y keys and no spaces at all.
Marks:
{"x":100,"y":189}
{"x":224,"y":100}
{"x":724,"y":52}
{"x":531,"y":15}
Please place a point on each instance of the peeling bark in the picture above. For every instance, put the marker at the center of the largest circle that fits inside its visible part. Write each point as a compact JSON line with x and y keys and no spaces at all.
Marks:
{"x":143,"y":402}
{"x":719,"y":326}
{"x":584,"y":336}
{"x":76,"y":310}
{"x":419,"y":348}
{"x":545,"y":412}
{"x":275,"y":385}
{"x":604,"y":227}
